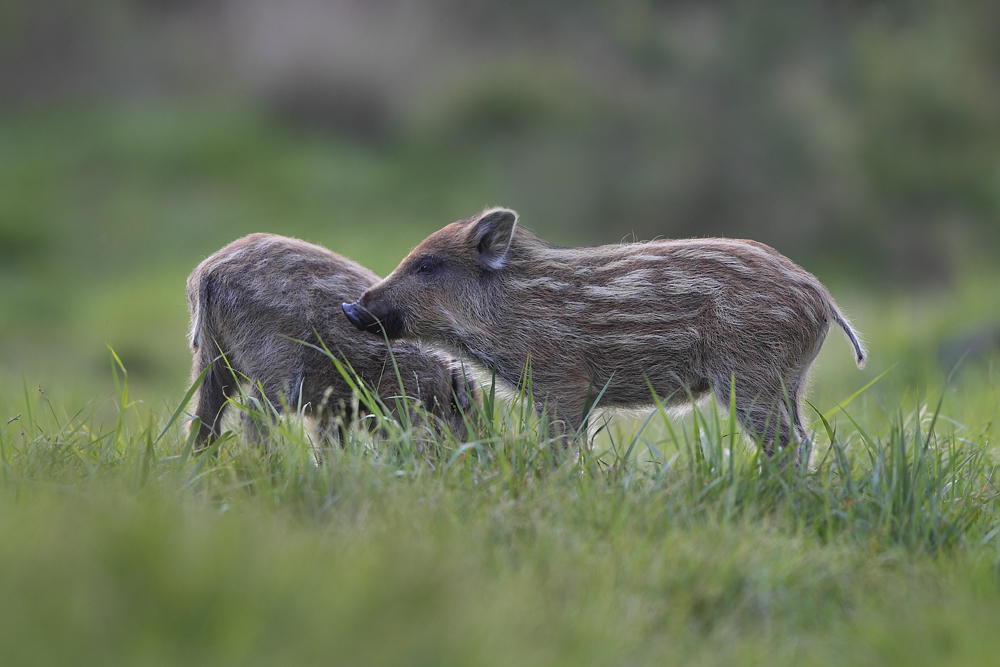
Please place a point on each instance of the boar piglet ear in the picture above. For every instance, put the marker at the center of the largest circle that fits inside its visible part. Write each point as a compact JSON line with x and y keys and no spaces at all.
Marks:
{"x":492,"y":233}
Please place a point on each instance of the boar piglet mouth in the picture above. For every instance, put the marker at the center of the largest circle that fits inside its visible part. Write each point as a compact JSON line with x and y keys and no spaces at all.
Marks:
{"x":389,"y":324}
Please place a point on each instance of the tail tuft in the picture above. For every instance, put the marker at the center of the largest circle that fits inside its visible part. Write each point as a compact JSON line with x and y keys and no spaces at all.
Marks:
{"x":860,"y":353}
{"x":197,"y":297}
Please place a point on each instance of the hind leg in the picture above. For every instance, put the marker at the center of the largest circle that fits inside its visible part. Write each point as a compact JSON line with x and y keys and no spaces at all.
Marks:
{"x":211,"y":406}
{"x":211,"y":399}
{"x":767,"y":423}
{"x":776,"y":424}
{"x":803,"y":452}
{"x":765,"y":416}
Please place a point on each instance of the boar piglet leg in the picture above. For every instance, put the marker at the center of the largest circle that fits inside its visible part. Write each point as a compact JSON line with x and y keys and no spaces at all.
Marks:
{"x":766,"y":415}
{"x":212,"y":399}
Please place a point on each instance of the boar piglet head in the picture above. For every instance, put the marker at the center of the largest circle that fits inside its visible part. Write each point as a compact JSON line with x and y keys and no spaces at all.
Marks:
{"x":438,"y":290}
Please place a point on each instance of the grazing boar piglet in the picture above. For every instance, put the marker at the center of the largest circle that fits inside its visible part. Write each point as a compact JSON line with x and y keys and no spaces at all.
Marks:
{"x":252,"y":301}
{"x":683,"y":317}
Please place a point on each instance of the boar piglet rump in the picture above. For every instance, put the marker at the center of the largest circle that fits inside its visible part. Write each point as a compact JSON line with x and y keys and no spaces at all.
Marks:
{"x":681,"y":316}
{"x":251,"y":303}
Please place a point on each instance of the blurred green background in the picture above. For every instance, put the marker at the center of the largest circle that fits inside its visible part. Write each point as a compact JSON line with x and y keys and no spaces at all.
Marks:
{"x":861,"y":139}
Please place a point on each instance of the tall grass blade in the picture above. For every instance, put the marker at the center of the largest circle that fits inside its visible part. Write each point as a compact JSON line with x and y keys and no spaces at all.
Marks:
{"x":185,"y":400}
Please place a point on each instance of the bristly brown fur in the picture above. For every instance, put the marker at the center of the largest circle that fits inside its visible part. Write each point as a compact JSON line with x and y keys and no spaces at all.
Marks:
{"x":684,"y":316}
{"x":255,"y":298}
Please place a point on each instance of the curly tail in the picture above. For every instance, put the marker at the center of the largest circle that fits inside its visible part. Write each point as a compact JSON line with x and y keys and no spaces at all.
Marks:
{"x":860,"y":353}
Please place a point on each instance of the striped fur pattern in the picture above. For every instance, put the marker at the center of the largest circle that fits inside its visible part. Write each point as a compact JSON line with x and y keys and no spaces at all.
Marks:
{"x":684,"y":316}
{"x":254,"y":299}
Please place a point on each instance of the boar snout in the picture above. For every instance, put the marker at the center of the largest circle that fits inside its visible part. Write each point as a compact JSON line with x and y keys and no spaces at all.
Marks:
{"x":360,"y":318}
{"x":388,"y":324}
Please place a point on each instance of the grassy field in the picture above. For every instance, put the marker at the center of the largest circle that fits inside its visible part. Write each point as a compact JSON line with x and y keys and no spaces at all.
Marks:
{"x":669,"y":543}
{"x":677,"y":543}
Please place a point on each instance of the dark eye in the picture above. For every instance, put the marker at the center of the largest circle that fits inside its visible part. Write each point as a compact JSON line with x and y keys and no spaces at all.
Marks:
{"x":427,"y":266}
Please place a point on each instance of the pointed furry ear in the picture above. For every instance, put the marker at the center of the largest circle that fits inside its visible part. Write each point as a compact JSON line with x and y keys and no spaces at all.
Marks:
{"x":492,"y":234}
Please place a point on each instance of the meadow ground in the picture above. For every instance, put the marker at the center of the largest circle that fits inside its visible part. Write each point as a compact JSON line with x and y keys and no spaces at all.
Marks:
{"x":669,"y":543}
{"x":676,"y":542}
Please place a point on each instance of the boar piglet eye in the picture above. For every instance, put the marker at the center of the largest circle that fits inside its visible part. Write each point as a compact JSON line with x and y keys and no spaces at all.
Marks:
{"x":428,"y":266}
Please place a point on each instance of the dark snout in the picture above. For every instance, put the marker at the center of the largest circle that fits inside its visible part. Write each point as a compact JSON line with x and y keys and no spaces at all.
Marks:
{"x":361,"y":319}
{"x":388,"y":324}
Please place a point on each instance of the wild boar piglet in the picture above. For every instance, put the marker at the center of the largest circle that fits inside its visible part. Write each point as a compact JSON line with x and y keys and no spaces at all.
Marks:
{"x":680,"y":316}
{"x":251,"y":303}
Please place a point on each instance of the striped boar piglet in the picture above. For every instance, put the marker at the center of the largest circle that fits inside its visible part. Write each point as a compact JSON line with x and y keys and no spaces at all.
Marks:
{"x":680,"y":316}
{"x":252,"y":301}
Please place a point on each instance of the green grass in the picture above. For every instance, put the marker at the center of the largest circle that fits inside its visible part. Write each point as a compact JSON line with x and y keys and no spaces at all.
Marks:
{"x":674,"y":543}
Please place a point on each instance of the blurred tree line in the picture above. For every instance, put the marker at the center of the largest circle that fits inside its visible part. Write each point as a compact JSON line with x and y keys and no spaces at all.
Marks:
{"x":865,"y":134}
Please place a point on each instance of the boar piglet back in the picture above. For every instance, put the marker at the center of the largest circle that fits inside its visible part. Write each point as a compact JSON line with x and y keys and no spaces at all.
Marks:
{"x":250,"y":304}
{"x":682,"y":316}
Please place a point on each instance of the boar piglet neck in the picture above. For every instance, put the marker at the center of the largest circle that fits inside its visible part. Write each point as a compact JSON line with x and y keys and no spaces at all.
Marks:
{"x":496,"y":329}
